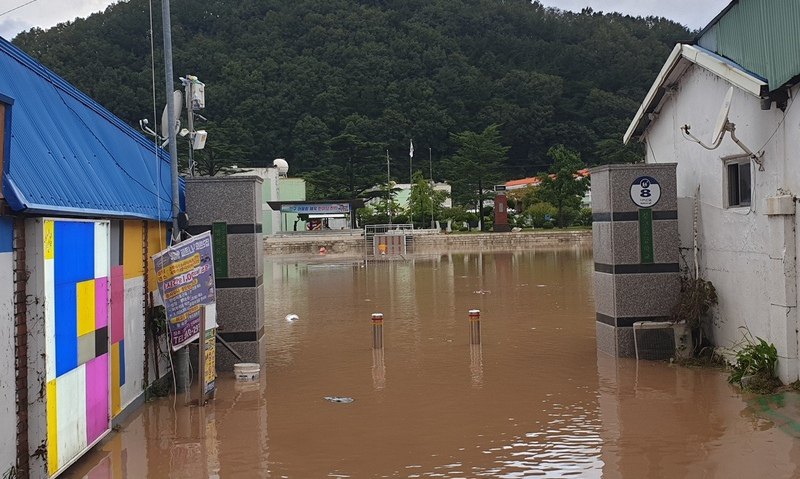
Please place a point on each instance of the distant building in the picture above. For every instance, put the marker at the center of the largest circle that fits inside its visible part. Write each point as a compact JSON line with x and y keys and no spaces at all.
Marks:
{"x":522,"y":183}
{"x":747,"y":222}
{"x":534,"y":181}
{"x":403,"y":196}
{"x":278,"y":187}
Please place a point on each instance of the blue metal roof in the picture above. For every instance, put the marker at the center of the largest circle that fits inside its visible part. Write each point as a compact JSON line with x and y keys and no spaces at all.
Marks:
{"x":68,"y":155}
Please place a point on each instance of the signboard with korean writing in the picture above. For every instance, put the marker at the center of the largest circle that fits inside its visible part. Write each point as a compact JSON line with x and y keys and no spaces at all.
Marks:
{"x":185,"y":274}
{"x":336,"y":208}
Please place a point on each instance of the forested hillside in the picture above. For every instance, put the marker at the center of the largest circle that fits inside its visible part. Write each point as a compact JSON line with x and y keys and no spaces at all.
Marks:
{"x":284,"y":78}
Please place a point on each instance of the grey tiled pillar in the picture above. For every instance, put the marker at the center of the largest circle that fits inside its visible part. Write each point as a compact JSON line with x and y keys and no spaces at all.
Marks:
{"x":636,"y":255}
{"x":230,"y":207}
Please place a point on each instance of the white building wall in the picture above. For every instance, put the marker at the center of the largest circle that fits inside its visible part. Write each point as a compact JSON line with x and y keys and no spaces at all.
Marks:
{"x":134,"y":342}
{"x":8,"y":412}
{"x":742,"y":250}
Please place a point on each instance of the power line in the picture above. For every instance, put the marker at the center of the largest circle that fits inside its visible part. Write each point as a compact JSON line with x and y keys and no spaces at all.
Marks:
{"x":18,"y":7}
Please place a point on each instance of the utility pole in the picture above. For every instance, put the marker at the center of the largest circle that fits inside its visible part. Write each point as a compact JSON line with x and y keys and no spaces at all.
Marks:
{"x":189,"y":122}
{"x":433,"y":189}
{"x":388,"y":189}
{"x":173,"y":147}
{"x":410,"y":162}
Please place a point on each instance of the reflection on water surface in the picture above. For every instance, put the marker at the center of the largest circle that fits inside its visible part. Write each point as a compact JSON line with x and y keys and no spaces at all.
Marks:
{"x":534,"y":399}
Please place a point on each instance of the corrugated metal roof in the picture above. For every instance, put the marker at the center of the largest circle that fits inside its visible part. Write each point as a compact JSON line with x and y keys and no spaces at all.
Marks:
{"x":761,"y":35}
{"x":69,"y":155}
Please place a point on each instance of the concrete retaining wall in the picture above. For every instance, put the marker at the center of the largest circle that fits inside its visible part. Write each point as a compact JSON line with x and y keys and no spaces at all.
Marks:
{"x":310,"y":244}
{"x":499,"y":241}
{"x":429,"y":243}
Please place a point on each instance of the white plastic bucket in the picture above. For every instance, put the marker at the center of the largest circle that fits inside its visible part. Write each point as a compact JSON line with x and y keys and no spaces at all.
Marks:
{"x":247,"y":372}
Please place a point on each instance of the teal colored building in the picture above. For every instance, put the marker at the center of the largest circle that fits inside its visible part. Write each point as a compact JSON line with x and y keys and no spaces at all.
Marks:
{"x":277,"y":187}
{"x":290,"y":189}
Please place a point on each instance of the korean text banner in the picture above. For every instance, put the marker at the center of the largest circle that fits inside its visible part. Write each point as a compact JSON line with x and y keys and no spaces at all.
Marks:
{"x":185,"y":274}
{"x":337,"y":208}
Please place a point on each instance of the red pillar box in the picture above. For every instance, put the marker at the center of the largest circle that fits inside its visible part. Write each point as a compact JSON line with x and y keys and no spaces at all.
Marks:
{"x":501,"y":210}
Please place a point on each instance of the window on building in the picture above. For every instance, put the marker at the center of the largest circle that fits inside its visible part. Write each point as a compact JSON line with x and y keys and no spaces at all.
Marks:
{"x":738,"y":182}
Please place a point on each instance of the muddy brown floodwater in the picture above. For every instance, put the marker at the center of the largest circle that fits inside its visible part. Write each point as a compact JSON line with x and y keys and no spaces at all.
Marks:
{"x":534,"y":399}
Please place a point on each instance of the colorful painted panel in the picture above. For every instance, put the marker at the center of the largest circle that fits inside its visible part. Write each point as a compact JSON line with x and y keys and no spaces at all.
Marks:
{"x":156,"y":241}
{"x":117,"y":337}
{"x":76,"y":269}
{"x":133,"y":249}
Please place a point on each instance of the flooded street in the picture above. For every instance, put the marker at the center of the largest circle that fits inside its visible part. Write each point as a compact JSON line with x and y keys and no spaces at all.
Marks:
{"x":534,"y":399}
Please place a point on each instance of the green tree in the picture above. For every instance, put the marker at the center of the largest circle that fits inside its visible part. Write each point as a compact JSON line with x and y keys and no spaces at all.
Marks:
{"x":475,"y":167}
{"x":356,"y":154}
{"x":424,"y":202}
{"x":388,"y":205}
{"x":561,"y":187}
{"x":541,"y":213}
{"x":614,"y":151}
{"x":309,"y":144}
{"x":355,"y":168}
{"x":228,"y":144}
{"x":297,"y":74}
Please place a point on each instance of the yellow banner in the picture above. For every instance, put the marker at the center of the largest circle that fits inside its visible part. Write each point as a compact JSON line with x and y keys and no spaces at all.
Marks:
{"x":180,"y":267}
{"x":183,"y":289}
{"x":185,"y":316}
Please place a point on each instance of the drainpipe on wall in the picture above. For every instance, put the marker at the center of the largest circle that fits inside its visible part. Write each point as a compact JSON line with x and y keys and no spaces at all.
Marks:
{"x":782,"y":275}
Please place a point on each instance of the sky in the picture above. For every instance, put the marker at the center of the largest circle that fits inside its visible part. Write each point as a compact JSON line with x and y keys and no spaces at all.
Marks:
{"x":47,"y":13}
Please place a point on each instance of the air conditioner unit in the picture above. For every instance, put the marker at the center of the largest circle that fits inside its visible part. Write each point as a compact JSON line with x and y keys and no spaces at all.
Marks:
{"x":661,"y":340}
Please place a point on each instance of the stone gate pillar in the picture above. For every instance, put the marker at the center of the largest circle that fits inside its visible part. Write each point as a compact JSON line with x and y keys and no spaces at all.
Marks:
{"x":230,"y":207}
{"x":636,"y":250}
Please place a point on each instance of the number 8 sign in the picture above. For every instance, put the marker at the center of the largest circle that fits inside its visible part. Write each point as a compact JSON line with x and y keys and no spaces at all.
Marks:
{"x":645,"y":191}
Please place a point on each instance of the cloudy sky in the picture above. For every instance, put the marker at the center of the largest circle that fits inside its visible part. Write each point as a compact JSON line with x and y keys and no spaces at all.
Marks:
{"x":47,"y":13}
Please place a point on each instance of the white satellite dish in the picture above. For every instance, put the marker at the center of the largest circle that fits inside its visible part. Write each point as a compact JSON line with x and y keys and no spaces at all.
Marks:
{"x":282,"y":166}
{"x":722,"y":125}
{"x":177,"y":97}
{"x":722,"y":118}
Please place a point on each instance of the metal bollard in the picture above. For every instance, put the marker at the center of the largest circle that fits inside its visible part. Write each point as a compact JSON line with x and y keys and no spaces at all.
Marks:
{"x":474,"y":326}
{"x":377,"y":330}
{"x":476,"y":365}
{"x":378,"y":369}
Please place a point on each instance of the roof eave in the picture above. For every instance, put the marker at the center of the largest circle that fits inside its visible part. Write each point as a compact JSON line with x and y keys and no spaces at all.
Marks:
{"x":690,"y":55}
{"x":66,"y":211}
{"x":20,"y":204}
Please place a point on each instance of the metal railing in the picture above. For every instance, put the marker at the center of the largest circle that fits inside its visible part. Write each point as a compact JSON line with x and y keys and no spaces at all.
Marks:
{"x":388,"y":240}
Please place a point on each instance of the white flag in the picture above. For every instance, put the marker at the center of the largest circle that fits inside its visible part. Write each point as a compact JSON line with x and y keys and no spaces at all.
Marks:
{"x":411,"y":150}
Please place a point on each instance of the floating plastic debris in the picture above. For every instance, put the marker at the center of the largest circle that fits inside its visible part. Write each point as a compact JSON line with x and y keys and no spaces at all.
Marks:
{"x":482,"y":291}
{"x":339,"y":399}
{"x":292,"y":317}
